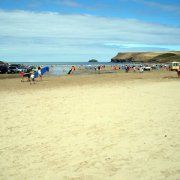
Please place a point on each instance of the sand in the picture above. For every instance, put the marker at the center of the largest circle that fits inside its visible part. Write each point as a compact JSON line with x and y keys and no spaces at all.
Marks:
{"x":91,"y":127}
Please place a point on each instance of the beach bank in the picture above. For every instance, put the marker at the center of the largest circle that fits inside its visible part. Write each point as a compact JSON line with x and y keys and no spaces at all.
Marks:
{"x":109,"y":126}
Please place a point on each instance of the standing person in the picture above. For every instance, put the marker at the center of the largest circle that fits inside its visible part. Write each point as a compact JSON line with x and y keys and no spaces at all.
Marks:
{"x":99,"y":68}
{"x":71,"y":70}
{"x":134,"y":68}
{"x":127,"y":68}
{"x":178,"y":72}
{"x":39,"y":73}
{"x":141,"y":70}
{"x":32,"y":78}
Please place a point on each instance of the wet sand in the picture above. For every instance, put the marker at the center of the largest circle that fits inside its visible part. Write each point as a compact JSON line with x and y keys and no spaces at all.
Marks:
{"x":107,"y":126}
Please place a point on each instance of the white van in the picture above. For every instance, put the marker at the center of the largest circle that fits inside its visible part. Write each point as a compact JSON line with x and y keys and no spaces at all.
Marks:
{"x":174,"y":66}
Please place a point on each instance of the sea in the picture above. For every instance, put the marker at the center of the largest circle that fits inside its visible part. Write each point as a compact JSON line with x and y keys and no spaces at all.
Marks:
{"x":66,"y":63}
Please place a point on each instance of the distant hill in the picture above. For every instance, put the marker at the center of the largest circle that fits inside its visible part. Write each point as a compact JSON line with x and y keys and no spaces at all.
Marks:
{"x":161,"y":57}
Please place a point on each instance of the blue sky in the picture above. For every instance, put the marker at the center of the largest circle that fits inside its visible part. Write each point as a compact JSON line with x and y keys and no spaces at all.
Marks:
{"x":77,"y":30}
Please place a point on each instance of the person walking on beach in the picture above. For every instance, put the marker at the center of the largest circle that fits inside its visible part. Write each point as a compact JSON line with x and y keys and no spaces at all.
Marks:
{"x":127,"y":68}
{"x":72,"y":70}
{"x":32,"y":78}
{"x":39,"y":73}
{"x":99,"y":68}
{"x":134,"y":68}
{"x":141,"y":70}
{"x":178,"y":72}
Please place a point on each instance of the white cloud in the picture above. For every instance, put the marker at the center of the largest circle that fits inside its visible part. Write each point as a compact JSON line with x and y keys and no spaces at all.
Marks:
{"x":29,"y":34}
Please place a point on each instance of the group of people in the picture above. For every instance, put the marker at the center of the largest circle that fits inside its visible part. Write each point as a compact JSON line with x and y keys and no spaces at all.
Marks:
{"x":31,"y":75}
{"x":127,"y":68}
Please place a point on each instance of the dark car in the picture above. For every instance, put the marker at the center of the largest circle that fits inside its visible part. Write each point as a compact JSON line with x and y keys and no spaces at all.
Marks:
{"x":3,"y":69}
{"x":22,"y":69}
{"x":16,"y":65}
{"x":13,"y":69}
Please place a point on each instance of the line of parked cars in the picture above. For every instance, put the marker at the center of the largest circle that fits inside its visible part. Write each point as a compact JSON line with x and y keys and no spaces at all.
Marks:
{"x":15,"y":68}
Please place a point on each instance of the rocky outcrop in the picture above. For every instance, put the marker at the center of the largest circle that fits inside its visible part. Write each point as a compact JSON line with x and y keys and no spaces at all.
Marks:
{"x":147,"y":57}
{"x":93,"y":60}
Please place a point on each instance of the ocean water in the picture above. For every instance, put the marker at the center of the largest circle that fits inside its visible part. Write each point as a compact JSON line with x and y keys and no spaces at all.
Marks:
{"x":65,"y":63}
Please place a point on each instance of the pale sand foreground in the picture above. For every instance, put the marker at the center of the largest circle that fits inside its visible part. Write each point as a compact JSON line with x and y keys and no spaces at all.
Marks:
{"x":127,"y":130}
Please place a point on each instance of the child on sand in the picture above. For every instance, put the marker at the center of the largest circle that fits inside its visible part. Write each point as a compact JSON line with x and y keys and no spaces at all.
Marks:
{"x":24,"y":75}
{"x":39,"y":73}
{"x":32,"y":79}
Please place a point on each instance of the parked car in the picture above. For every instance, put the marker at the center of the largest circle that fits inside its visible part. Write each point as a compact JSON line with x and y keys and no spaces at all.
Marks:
{"x":147,"y":68}
{"x":22,"y":69}
{"x":17,"y":65}
{"x":13,"y":69}
{"x":3,"y":69}
{"x":174,"y":66}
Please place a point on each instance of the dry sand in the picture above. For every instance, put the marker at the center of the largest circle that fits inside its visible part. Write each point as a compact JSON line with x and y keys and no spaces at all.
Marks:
{"x":91,"y":127}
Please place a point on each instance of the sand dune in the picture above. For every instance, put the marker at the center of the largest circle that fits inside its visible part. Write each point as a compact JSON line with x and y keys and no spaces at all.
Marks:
{"x":124,"y":130}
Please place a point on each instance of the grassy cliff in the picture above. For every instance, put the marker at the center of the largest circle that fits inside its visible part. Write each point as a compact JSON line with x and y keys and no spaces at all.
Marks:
{"x":162,"y":57}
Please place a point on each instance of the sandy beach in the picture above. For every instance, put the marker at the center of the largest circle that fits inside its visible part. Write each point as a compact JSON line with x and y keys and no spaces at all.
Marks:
{"x":93,"y":127}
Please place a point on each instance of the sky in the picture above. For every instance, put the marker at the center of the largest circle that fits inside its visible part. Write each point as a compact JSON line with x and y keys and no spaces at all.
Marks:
{"x":80,"y":30}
